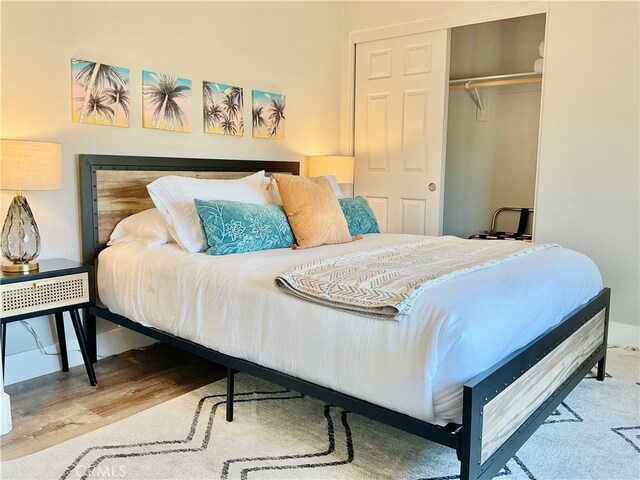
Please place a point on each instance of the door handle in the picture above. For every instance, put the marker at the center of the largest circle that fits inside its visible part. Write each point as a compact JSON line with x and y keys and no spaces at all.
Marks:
{"x":432,"y":187}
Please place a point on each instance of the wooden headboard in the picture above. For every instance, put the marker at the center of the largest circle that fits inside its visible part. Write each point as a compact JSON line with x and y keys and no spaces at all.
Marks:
{"x":113,"y":187}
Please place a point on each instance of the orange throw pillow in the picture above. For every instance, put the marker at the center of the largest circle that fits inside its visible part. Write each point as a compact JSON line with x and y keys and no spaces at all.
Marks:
{"x":313,"y":210}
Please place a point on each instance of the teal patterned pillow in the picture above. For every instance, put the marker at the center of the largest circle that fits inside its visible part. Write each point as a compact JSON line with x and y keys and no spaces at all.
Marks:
{"x":360,"y":217}
{"x":236,"y":227}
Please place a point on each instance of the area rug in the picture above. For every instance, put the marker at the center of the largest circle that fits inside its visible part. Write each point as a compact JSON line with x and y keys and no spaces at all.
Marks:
{"x":281,"y":434}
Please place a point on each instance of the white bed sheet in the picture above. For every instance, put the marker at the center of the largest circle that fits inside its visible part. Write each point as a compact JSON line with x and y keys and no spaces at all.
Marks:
{"x":417,"y":366}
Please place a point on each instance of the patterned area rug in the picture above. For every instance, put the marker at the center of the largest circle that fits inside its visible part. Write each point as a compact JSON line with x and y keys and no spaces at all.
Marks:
{"x":280,"y":434}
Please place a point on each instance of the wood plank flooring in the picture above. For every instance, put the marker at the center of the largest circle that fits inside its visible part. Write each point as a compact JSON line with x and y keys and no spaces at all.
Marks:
{"x":54,"y":408}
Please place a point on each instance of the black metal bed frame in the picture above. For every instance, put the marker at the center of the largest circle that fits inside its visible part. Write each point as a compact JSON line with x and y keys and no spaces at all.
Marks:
{"x":465,"y":438}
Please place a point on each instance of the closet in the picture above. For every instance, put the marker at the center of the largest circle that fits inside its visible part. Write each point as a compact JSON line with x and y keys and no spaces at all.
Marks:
{"x":492,"y":125}
{"x":446,"y":125}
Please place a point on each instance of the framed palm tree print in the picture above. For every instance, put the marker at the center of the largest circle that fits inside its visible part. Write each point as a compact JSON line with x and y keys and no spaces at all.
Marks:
{"x":100,"y":93}
{"x":166,"y":102}
{"x":267,"y":112}
{"x":222,"y":109}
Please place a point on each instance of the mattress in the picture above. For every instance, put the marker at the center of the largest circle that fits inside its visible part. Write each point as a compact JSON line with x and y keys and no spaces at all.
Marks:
{"x":456,"y":329}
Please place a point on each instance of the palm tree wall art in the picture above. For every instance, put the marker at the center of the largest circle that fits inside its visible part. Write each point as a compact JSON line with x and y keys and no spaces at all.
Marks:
{"x":268,"y":116}
{"x":166,"y":102}
{"x":101,"y":96}
{"x":222,"y":109}
{"x":100,"y":93}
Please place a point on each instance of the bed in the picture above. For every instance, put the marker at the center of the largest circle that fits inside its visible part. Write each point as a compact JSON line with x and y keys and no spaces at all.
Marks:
{"x":513,"y":388}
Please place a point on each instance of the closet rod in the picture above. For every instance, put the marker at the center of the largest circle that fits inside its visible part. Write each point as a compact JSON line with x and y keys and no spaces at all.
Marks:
{"x":495,"y":80}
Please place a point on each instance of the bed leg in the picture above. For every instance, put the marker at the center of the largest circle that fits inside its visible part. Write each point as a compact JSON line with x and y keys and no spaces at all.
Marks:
{"x":601,"y":366}
{"x":467,"y":470}
{"x":464,"y":475}
{"x":91,"y":336}
{"x":230,"y":377}
{"x":603,"y":361}
{"x":469,"y":441}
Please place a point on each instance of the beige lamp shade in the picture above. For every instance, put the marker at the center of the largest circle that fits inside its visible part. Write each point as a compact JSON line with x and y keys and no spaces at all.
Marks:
{"x":27,"y":165}
{"x":339,"y":166}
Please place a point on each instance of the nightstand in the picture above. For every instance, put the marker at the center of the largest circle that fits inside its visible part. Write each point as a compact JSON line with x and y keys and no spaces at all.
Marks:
{"x":59,"y":286}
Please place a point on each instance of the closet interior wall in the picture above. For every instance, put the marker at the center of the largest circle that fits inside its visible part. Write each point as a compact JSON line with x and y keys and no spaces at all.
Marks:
{"x":492,"y":153}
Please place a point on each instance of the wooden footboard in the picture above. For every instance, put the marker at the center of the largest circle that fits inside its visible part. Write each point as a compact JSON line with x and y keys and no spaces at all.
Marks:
{"x":505,"y":405}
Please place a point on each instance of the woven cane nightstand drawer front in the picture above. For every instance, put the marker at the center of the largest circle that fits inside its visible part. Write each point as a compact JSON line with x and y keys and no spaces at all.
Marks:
{"x":37,"y":295}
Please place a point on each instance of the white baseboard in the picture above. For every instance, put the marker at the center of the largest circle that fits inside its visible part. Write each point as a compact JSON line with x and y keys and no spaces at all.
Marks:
{"x":6,"y":424}
{"x":624,"y":335}
{"x":32,"y":363}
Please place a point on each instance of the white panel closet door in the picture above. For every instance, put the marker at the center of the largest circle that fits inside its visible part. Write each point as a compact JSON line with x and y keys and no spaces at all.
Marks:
{"x":400,"y":128}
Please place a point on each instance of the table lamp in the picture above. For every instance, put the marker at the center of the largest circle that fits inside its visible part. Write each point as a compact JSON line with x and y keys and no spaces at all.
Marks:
{"x":25,"y":165}
{"x":340,"y":166}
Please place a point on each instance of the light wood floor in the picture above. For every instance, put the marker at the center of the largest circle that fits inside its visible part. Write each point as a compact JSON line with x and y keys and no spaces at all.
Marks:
{"x":54,"y":408}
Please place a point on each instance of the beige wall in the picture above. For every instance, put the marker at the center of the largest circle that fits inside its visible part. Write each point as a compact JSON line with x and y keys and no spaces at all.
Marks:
{"x":293,"y":48}
{"x":589,"y":158}
{"x":374,"y":14}
{"x":588,"y":178}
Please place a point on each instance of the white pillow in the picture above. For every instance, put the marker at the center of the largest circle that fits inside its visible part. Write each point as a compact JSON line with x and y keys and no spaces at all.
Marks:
{"x":174,"y":195}
{"x":147,"y":227}
{"x":334,"y":184}
{"x":275,"y":194}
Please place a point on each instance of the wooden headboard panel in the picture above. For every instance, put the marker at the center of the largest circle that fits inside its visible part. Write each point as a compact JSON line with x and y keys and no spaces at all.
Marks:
{"x":113,"y":187}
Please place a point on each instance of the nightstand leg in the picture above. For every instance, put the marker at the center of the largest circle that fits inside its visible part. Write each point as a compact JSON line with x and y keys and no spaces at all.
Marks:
{"x":90,"y":330}
{"x":62,"y":341}
{"x":77,"y":326}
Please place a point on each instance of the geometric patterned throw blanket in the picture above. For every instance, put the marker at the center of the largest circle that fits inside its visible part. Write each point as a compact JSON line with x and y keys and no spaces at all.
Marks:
{"x":385,"y":282}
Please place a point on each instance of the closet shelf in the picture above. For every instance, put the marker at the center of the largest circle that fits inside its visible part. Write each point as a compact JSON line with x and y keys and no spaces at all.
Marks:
{"x":495,"y":80}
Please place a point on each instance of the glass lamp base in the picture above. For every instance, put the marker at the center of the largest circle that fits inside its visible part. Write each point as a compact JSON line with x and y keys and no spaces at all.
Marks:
{"x":20,"y":267}
{"x":20,"y":238}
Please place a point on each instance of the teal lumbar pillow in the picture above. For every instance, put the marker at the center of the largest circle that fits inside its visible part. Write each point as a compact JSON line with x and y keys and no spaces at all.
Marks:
{"x":236,"y":227}
{"x":360,"y":217}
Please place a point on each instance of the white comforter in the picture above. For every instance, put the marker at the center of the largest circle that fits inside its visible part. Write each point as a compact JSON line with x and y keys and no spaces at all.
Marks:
{"x":417,"y":366}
